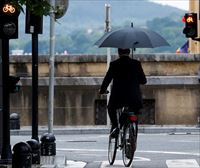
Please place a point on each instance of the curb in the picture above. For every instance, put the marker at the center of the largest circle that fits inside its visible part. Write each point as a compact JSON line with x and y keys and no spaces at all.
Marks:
{"x":105,"y":130}
{"x":169,"y":130}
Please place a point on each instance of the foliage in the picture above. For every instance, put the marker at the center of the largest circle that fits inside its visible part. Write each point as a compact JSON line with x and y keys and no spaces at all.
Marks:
{"x":37,"y":7}
{"x":171,"y":29}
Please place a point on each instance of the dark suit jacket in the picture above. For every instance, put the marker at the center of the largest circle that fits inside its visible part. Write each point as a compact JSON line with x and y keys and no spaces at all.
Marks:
{"x":127,"y":75}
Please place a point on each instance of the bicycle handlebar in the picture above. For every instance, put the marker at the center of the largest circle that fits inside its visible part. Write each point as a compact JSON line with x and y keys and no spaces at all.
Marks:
{"x":106,"y":92}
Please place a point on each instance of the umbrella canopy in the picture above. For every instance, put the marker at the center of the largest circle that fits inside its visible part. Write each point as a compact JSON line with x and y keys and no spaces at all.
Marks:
{"x":132,"y":37}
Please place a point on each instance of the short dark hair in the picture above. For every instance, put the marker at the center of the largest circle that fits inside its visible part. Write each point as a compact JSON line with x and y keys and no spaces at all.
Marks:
{"x":122,"y":51}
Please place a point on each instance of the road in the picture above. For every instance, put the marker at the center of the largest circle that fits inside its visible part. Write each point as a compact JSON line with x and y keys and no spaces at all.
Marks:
{"x":153,"y":150}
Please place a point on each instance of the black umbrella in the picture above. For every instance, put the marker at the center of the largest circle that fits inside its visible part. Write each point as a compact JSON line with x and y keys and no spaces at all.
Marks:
{"x":132,"y":37}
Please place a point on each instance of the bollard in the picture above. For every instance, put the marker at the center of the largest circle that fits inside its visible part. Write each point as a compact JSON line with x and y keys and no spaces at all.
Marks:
{"x":35,"y":151}
{"x":14,"y":121}
{"x":198,"y":121}
{"x":21,"y":156}
{"x":48,"y":145}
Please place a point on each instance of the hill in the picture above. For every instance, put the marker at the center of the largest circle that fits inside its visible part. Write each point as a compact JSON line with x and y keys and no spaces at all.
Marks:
{"x":90,"y":14}
{"x":84,"y":12}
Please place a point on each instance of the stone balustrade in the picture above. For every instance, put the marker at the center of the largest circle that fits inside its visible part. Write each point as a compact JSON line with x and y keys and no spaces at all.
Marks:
{"x":172,"y":89}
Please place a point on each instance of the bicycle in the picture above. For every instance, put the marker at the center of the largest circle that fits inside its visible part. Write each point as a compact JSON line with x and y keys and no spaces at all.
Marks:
{"x":126,"y":139}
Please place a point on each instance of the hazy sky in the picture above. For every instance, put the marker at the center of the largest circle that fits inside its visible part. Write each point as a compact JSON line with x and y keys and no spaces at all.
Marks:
{"x":183,"y":4}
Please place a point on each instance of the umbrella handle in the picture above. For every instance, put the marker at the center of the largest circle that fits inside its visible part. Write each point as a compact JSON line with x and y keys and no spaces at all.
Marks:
{"x":131,"y":24}
{"x":133,"y":49}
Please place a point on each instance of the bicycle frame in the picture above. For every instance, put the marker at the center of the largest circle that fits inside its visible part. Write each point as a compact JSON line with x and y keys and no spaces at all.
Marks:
{"x":123,"y":121}
{"x":127,"y":138}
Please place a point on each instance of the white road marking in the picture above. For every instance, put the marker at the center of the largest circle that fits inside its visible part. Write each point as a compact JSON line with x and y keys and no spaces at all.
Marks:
{"x":171,"y":153}
{"x":136,"y":159}
{"x":182,"y":163}
{"x":75,"y":164}
{"x":179,"y":163}
{"x":139,"y":151}
{"x":119,"y":163}
{"x":86,"y":150}
{"x":185,"y":141}
{"x":91,"y":154}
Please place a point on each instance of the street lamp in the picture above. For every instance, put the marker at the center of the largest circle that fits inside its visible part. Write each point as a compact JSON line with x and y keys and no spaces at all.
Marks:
{"x":61,"y":7}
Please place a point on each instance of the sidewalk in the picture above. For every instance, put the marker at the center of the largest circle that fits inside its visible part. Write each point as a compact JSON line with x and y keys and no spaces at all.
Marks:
{"x":147,"y":129}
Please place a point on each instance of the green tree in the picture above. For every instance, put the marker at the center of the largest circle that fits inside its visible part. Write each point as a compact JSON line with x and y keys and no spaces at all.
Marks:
{"x":37,"y":7}
{"x":171,"y":29}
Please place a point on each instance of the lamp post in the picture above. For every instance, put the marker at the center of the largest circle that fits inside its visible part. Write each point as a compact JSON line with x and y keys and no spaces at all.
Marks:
{"x":51,"y":68}
{"x":48,"y":139}
{"x":61,"y":6}
{"x":107,"y":29}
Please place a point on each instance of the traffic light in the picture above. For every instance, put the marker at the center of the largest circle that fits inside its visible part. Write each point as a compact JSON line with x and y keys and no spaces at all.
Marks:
{"x":13,"y":84}
{"x":34,"y":23}
{"x":191,"y":28}
{"x":8,"y":20}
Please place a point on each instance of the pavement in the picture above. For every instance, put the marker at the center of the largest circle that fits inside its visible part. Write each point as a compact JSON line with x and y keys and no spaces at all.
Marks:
{"x":60,"y":161}
{"x":102,"y":129}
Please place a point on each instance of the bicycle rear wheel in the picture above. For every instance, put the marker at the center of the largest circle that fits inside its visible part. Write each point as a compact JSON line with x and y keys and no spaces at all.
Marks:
{"x":130,"y":143}
{"x":112,"y":149}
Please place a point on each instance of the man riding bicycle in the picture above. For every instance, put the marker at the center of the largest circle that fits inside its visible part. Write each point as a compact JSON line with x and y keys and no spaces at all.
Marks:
{"x":127,"y":75}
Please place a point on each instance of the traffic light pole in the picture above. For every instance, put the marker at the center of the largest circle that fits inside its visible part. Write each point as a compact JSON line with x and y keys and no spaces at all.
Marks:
{"x":34,"y":27}
{"x":35,"y":86}
{"x":1,"y":115}
{"x":6,"y":154}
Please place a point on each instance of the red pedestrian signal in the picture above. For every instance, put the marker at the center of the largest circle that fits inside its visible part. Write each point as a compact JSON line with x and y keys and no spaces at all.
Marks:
{"x":191,"y":25}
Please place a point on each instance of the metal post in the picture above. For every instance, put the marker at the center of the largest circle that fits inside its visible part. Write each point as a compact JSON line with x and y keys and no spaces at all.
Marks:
{"x":51,"y":69}
{"x":198,"y":117}
{"x":198,"y":121}
{"x":198,"y":24}
{"x":6,"y":155}
{"x":35,"y":86}
{"x":107,"y":29}
{"x":1,"y":103}
{"x":199,"y":12}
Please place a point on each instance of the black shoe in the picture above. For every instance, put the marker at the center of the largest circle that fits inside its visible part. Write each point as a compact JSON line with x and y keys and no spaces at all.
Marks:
{"x":114,"y":132}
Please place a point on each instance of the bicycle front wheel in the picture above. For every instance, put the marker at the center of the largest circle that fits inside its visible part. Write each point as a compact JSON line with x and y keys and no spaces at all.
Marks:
{"x":129,"y":141}
{"x":112,"y":149}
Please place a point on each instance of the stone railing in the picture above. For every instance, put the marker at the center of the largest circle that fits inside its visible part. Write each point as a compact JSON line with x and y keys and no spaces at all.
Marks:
{"x":172,"y":84}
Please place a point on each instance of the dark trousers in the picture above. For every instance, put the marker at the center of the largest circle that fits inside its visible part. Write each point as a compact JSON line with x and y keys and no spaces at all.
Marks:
{"x":113,"y":116}
{"x":112,"y":112}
